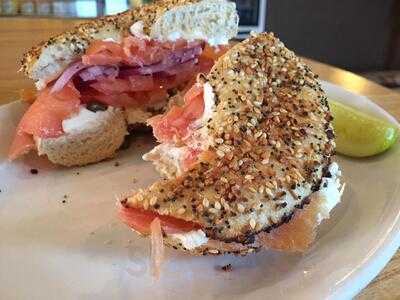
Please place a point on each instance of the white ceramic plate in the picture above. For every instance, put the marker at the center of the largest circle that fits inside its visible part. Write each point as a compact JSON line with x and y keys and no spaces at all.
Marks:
{"x":79,"y":250}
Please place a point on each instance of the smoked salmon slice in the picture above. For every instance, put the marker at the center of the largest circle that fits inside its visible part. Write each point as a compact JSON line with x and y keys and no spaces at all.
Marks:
{"x":22,"y":144}
{"x":44,"y":118}
{"x":176,"y":123}
{"x":140,"y":220}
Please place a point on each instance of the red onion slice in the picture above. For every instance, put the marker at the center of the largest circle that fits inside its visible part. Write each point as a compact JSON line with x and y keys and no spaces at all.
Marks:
{"x":112,"y":72}
{"x":94,"y":72}
{"x":177,"y":69}
{"x":67,"y":75}
{"x":175,"y":58}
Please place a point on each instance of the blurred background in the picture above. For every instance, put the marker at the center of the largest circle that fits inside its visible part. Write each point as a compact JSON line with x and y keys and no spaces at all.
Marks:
{"x":357,"y":35}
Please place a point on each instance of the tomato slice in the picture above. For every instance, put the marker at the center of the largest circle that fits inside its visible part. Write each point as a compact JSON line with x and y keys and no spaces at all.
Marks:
{"x":140,"y":220}
{"x":157,"y":96}
{"x":140,"y":83}
{"x":109,"y":86}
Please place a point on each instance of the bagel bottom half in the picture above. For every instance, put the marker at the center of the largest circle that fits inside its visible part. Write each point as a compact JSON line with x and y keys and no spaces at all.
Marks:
{"x":87,"y":145}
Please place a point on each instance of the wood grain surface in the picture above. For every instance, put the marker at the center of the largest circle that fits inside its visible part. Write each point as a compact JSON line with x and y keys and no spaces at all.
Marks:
{"x":19,"y":34}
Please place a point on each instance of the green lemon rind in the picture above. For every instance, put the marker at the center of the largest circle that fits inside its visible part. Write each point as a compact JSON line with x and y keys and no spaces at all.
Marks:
{"x":359,"y":134}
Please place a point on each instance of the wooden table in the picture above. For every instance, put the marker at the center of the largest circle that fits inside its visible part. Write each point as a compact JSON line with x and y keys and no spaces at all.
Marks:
{"x":18,"y":34}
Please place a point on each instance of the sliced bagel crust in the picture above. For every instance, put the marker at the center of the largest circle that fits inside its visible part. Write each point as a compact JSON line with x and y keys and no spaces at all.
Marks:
{"x":189,"y":19}
{"x":48,"y":59}
{"x":87,"y":145}
{"x":271,"y":145}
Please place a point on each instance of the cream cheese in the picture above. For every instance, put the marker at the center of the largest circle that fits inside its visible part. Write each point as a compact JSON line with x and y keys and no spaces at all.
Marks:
{"x":110,"y":40}
{"x":213,"y":21}
{"x":168,"y":157}
{"x":209,"y":105}
{"x":192,"y":239}
{"x":40,"y":84}
{"x":85,"y":120}
{"x":136,"y":29}
{"x":331,"y":191}
{"x":197,"y":35}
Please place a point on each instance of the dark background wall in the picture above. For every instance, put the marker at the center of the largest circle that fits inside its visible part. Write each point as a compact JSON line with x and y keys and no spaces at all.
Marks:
{"x":353,"y":34}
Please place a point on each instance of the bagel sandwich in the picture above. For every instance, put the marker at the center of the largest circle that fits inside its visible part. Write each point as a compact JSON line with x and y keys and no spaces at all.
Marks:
{"x":115,"y":72}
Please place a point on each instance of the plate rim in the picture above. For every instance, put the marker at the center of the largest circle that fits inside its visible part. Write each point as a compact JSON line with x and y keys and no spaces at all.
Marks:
{"x":389,"y":244}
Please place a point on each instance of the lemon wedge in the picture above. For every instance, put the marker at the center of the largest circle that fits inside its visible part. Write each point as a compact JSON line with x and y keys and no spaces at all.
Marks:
{"x":359,"y":134}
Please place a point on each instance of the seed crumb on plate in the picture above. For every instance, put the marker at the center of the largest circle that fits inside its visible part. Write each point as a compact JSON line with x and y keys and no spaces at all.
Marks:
{"x":227,"y":268}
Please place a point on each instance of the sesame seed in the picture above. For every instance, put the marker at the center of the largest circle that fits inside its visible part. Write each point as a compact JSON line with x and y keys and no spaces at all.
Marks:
{"x":240,"y":207}
{"x":226,"y":206}
{"x":213,"y":210}
{"x":220,"y":153}
{"x":225,"y":148}
{"x":282,"y":110}
{"x":217,"y":205}
{"x":219,"y":141}
{"x":268,"y":192}
{"x":153,"y":201}
{"x":146,"y":204}
{"x":181,"y":211}
{"x":269,"y":185}
{"x":297,"y":143}
{"x":252,"y":223}
{"x":258,"y":134}
{"x":249,"y":177}
{"x":206,"y":203}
